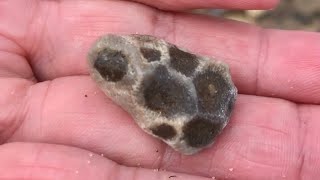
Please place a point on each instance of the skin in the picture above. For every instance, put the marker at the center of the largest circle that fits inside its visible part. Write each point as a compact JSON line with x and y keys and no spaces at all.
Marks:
{"x":55,"y":123}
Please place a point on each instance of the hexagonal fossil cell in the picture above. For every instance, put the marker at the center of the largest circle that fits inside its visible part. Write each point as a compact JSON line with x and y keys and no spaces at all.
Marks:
{"x":183,"y":99}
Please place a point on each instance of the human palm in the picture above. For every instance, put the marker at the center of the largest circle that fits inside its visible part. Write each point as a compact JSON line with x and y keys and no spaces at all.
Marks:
{"x":55,"y":123}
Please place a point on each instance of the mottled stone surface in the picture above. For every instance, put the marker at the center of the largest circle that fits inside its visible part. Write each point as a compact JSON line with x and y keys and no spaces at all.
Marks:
{"x":179,"y":97}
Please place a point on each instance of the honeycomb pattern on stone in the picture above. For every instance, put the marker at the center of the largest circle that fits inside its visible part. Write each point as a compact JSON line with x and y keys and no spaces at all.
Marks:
{"x":181,"y":98}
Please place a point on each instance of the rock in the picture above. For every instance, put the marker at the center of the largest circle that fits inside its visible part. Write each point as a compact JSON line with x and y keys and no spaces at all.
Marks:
{"x":179,"y":97}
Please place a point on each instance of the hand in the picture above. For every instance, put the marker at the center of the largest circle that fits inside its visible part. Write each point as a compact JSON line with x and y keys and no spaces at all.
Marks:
{"x":55,"y":123}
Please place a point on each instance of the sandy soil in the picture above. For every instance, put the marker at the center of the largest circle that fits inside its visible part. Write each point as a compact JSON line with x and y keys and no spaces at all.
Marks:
{"x":290,"y":14}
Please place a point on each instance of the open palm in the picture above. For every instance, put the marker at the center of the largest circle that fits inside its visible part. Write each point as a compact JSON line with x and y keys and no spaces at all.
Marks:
{"x":55,"y":123}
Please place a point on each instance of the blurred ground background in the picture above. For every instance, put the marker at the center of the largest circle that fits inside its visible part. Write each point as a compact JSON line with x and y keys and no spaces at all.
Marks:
{"x":290,"y":14}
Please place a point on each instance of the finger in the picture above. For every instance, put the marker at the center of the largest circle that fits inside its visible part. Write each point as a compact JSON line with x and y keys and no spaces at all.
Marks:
{"x":15,"y":78}
{"x":193,"y":4}
{"x":289,"y":67}
{"x":263,"y":62}
{"x":49,"y":161}
{"x":265,"y":135}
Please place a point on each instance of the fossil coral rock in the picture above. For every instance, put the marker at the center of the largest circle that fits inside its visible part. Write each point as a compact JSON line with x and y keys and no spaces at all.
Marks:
{"x":179,"y":97}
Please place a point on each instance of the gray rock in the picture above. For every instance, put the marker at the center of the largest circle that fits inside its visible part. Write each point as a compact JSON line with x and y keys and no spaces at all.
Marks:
{"x":179,"y":97}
